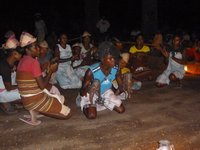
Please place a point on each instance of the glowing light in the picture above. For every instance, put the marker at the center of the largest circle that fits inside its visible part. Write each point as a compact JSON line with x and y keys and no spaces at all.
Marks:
{"x":185,"y":68}
{"x":193,"y":68}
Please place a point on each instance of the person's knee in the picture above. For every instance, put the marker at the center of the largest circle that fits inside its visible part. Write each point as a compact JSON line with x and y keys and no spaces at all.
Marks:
{"x":90,"y":112}
{"x":172,"y":77}
{"x":91,"y":115}
{"x":120,"y":109}
{"x":58,"y":115}
{"x":66,"y":112}
{"x":68,"y":115}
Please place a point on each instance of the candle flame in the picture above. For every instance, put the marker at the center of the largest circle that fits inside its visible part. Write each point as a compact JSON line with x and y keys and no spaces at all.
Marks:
{"x":185,"y":68}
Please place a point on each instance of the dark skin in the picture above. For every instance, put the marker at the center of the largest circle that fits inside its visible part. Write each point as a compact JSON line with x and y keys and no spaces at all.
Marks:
{"x":77,"y":54}
{"x":42,"y":82}
{"x":90,"y":50}
{"x":14,"y":57}
{"x":176,"y":42}
{"x":139,"y":45}
{"x":43,"y":53}
{"x":63,"y":41}
{"x":176,"y":45}
{"x":139,"y":57}
{"x":86,"y":42}
{"x":33,"y":51}
{"x":107,"y":63}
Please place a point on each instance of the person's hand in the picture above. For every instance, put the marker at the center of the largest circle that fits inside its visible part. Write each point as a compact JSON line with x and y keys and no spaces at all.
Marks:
{"x":45,"y":66}
{"x":165,"y":52}
{"x":93,"y":50}
{"x":14,"y":68}
{"x":75,"y":57}
{"x":141,"y":55}
{"x":49,"y":86}
{"x":53,"y":67}
{"x":158,"y":48}
{"x":54,"y":60}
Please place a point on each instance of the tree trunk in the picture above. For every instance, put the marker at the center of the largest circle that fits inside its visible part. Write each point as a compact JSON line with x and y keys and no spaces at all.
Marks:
{"x":149,"y":17}
{"x":91,"y":14}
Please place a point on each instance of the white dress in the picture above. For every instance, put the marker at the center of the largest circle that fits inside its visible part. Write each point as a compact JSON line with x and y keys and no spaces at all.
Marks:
{"x":80,"y":71}
{"x":65,"y":74}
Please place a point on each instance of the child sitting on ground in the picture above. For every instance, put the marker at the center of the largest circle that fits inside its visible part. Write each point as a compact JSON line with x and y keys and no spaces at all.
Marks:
{"x":129,"y":83}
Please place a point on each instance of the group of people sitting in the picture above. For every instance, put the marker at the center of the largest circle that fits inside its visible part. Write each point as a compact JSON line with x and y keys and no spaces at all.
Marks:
{"x":159,"y":60}
{"x":104,"y":74}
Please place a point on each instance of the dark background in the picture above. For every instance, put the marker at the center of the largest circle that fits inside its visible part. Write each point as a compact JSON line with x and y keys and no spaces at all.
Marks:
{"x":124,"y":15}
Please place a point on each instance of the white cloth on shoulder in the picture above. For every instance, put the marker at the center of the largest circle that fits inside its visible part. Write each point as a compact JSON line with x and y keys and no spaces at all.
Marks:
{"x":173,"y":67}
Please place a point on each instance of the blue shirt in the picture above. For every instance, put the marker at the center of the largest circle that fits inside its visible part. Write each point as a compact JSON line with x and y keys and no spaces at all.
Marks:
{"x":105,"y":81}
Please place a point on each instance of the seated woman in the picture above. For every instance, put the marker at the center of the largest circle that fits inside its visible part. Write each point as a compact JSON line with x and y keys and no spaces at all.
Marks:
{"x":87,"y":49}
{"x":138,"y":59}
{"x":34,"y":89}
{"x":44,"y":56}
{"x":156,"y":60}
{"x":129,"y":82}
{"x":65,"y":74}
{"x":96,"y":92}
{"x":78,"y":65}
{"x":8,"y":90}
{"x":45,"y":59}
{"x":175,"y":67}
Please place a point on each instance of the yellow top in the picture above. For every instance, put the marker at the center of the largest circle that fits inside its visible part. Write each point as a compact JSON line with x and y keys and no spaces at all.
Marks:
{"x":144,"y":49}
{"x":125,"y":70}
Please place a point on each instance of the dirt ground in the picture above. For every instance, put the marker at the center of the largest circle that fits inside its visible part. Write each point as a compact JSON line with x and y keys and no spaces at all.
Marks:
{"x":151,"y":114}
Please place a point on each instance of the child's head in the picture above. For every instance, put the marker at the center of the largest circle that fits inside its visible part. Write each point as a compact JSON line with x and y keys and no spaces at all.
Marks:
{"x":76,"y":49}
{"x":124,"y":60}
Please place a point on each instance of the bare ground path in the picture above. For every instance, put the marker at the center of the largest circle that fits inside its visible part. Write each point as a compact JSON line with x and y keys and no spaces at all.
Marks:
{"x":151,"y":114}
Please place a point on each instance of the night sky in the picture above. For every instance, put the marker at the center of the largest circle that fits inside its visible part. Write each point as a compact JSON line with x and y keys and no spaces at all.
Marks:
{"x":123,"y":14}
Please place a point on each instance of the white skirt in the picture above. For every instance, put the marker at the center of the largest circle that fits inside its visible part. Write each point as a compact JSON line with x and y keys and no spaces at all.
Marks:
{"x":110,"y":101}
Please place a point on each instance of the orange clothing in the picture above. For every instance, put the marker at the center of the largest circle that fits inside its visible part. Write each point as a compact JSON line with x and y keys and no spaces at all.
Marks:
{"x":192,"y":52}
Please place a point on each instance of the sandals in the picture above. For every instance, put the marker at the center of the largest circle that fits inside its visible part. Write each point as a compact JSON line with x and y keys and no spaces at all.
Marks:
{"x":29,"y":116}
{"x":32,"y":118}
{"x":30,"y":122}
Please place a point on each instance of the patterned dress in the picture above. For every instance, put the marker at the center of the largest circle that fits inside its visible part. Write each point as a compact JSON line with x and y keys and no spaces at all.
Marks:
{"x":34,"y":98}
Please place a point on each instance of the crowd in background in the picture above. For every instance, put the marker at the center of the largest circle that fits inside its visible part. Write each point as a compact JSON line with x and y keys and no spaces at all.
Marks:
{"x":36,"y":64}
